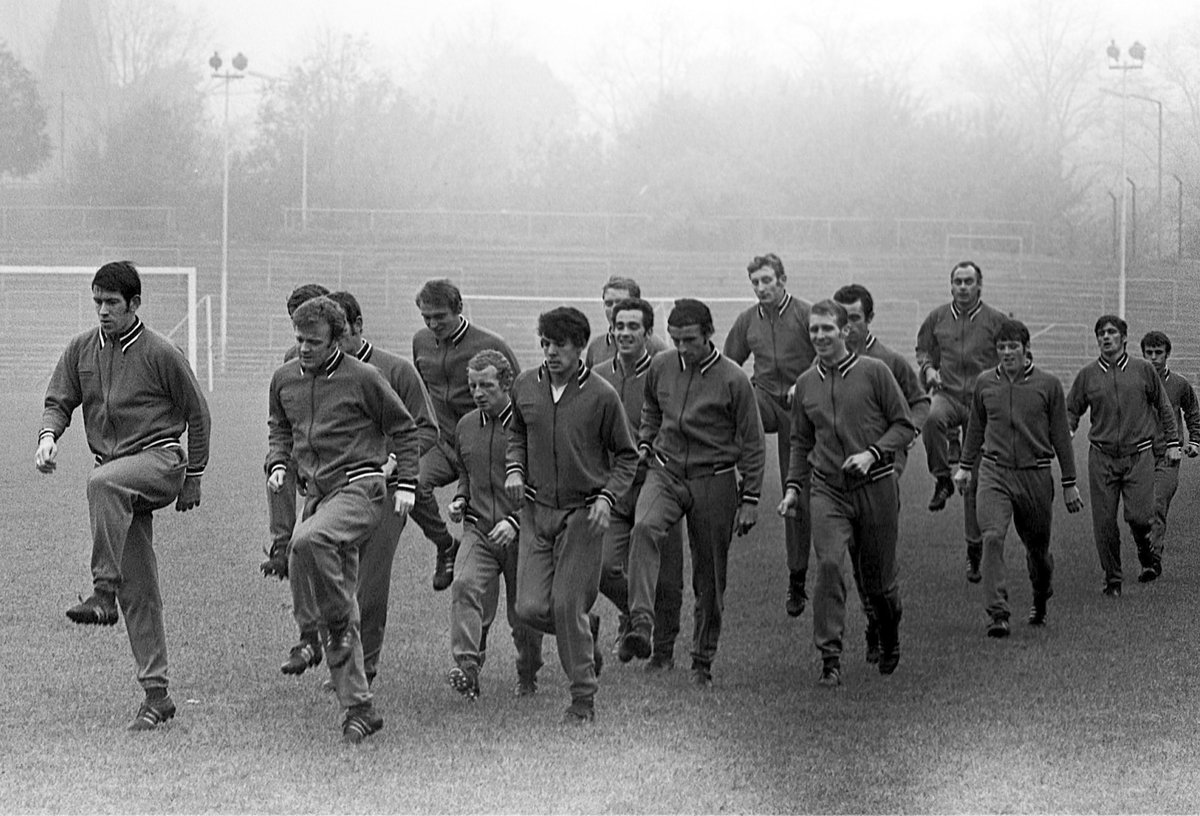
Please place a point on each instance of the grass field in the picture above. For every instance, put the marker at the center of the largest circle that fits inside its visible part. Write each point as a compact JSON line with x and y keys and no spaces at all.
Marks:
{"x":1095,"y":713}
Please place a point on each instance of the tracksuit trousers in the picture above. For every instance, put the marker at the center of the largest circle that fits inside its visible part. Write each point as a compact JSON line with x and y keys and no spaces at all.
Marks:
{"x":946,"y":415}
{"x":1115,"y":479}
{"x":1166,"y":482}
{"x":1023,"y":497}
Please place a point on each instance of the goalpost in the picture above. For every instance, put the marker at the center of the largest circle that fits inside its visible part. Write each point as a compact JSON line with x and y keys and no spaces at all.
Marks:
{"x":47,"y":305}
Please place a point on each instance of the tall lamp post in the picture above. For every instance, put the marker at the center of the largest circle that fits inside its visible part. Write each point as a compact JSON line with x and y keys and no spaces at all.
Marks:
{"x":1137,"y":56}
{"x":239,"y":64}
{"x":1159,"y":164}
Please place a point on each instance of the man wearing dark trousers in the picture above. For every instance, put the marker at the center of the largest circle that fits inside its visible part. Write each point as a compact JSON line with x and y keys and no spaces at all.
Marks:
{"x":1129,"y":409}
{"x":138,"y":396}
{"x":956,"y":342}
{"x":570,"y":458}
{"x":775,"y":332}
{"x":440,"y":352}
{"x":343,"y":424}
{"x":849,"y":419}
{"x":1156,"y":347}
{"x":1017,"y":425}
{"x":700,"y":430}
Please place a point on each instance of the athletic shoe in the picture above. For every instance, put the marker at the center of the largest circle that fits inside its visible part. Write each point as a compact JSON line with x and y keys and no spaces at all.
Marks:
{"x":942,"y":491}
{"x":797,"y":598}
{"x":889,"y":659}
{"x":659,"y":663}
{"x":526,"y":687}
{"x":1147,"y":575}
{"x":361,"y":722}
{"x":304,"y":655}
{"x":973,"y":574}
{"x":579,"y":712}
{"x":635,"y":644}
{"x":998,"y":628}
{"x":443,"y":569}
{"x":152,"y":714}
{"x":831,"y":674}
{"x":1037,"y":613}
{"x":622,"y":630}
{"x":872,"y":642}
{"x":701,"y":676}
{"x":276,"y":565}
{"x":100,"y":609}
{"x":1112,"y":590}
{"x":465,"y":681}
{"x":597,"y":652}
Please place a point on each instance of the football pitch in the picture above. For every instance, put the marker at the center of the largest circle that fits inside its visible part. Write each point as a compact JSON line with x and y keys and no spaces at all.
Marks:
{"x":1096,"y":712}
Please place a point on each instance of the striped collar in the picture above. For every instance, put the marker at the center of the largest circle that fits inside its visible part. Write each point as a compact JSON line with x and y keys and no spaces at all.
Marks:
{"x":870,"y":342}
{"x":1025,"y":372}
{"x":457,"y":335}
{"x":364,"y":352}
{"x":1121,"y":363}
{"x":1166,"y":374}
{"x":976,"y":309}
{"x":707,"y":363}
{"x":329,"y":366}
{"x":783,"y":306}
{"x":842,"y":366}
{"x":502,"y":418}
{"x":581,"y":376}
{"x":128,"y":337}
{"x":639,"y":367}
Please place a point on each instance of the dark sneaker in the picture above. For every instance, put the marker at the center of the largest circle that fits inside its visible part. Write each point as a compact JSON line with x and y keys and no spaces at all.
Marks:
{"x":659,"y":663}
{"x":889,"y":659}
{"x":622,"y":630}
{"x":831,"y":674}
{"x":1147,"y":575}
{"x":635,"y":644}
{"x":465,"y":681}
{"x":579,"y":712}
{"x":797,"y":599}
{"x":1037,"y":613}
{"x":597,"y":652}
{"x":361,"y":722}
{"x":872,"y":642}
{"x":152,"y":714}
{"x":304,"y":655}
{"x":998,"y":628}
{"x":1112,"y":590}
{"x":526,"y":687}
{"x":276,"y":565}
{"x":443,"y":569}
{"x":100,"y":609}
{"x":942,"y":491}
{"x":701,"y":676}
{"x":973,"y":574}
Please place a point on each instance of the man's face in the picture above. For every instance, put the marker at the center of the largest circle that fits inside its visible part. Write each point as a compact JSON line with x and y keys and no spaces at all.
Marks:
{"x":691,"y":343}
{"x":351,"y":339}
{"x":115,"y":313}
{"x":613,"y":296}
{"x":315,"y":344}
{"x":561,"y":358}
{"x":768,"y":288}
{"x":486,"y":390}
{"x":629,"y":329}
{"x":965,"y":287}
{"x":1012,"y":354}
{"x":828,"y":339}
{"x":858,"y":326}
{"x":439,"y":319}
{"x":1110,"y":340}
{"x":1158,"y":356}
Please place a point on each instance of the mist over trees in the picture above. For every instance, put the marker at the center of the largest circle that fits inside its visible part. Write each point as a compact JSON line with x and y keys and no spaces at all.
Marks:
{"x":24,"y":143}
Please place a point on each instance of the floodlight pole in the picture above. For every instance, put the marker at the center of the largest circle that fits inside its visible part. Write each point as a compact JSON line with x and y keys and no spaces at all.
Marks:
{"x":1138,"y":53}
{"x":239,"y":65}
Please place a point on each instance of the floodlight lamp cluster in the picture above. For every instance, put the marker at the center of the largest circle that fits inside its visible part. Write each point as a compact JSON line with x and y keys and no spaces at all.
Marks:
{"x":1137,"y":55}
{"x":239,"y":62}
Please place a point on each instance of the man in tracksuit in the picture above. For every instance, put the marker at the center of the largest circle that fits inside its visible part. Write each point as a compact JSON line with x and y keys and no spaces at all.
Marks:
{"x":700,"y":430}
{"x":604,"y":346}
{"x":342,"y":422}
{"x":571,"y":458}
{"x":632,"y":326}
{"x":491,"y":530}
{"x":956,"y":342}
{"x":860,"y":311}
{"x":377,"y":552}
{"x":139,"y":396}
{"x":440,"y":352}
{"x":849,"y":419}
{"x":776,"y":333}
{"x":1156,"y":347}
{"x":1017,"y":425}
{"x":1129,"y":408}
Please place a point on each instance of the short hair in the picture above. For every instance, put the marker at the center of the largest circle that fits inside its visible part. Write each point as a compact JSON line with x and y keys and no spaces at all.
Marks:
{"x":491,"y":357}
{"x":1156,"y":339}
{"x":303,"y":292}
{"x":349,"y":304}
{"x":119,"y":276}
{"x":1010,"y":330}
{"x":831,"y":308}
{"x":771,"y":260}
{"x":321,"y":309}
{"x":440,"y":292}
{"x":621,"y":282}
{"x":853,"y":293}
{"x":691,"y":312}
{"x":636,"y":303}
{"x":968,"y":265}
{"x":565,"y":324}
{"x":1105,"y":319}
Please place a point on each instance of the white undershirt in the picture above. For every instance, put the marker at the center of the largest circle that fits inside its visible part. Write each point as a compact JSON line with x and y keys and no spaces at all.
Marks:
{"x":556,"y":391}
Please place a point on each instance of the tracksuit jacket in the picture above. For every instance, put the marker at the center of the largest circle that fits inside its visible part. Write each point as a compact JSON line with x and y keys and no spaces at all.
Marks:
{"x":910,"y":385}
{"x":850,"y":407}
{"x":1183,"y":398}
{"x":582,"y":443}
{"x":960,"y":345}
{"x":443,"y":367}
{"x":1020,"y":423}
{"x":703,"y":418}
{"x":137,"y":392}
{"x":481,"y":447}
{"x":779,"y":340}
{"x":339,"y":421}
{"x":402,"y":376}
{"x":1128,"y":403}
